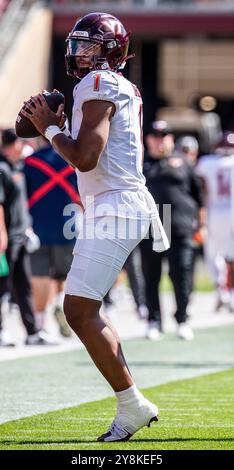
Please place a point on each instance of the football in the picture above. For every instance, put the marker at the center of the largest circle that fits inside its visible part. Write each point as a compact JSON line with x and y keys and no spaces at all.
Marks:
{"x":25,"y":128}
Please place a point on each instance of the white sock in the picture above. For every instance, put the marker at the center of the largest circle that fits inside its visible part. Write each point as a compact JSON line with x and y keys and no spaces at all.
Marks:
{"x":224,"y":294}
{"x":59,"y":300}
{"x":232,"y":296}
{"x":39,"y":318}
{"x":133,"y":409}
{"x":129,"y":396}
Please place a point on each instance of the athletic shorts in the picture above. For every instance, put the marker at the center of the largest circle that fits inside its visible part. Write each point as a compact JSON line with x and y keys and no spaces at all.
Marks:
{"x":106,"y":242}
{"x":98,"y":261}
{"x":52,"y":261}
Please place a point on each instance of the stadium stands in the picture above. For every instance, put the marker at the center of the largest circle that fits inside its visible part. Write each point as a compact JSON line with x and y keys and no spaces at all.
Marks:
{"x":26,"y":25}
{"x":3,"y":6}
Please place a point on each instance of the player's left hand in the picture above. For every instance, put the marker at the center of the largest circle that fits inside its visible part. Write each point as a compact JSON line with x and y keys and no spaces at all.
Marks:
{"x":37,"y":110}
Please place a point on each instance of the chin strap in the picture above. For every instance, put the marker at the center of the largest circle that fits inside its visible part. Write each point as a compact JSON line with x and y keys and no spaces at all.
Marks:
{"x":129,"y":56}
{"x":122,"y":62}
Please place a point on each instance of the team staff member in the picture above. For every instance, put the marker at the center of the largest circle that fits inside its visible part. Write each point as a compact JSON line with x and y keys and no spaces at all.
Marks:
{"x":106,"y":149}
{"x":14,"y":222}
{"x":7,"y":198}
{"x":171,"y":180}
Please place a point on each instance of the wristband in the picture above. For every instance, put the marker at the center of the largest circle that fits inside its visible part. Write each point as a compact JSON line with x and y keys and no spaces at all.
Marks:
{"x":51,"y":132}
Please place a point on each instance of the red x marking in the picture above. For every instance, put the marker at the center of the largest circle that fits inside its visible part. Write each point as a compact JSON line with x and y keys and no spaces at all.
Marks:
{"x":56,"y":178}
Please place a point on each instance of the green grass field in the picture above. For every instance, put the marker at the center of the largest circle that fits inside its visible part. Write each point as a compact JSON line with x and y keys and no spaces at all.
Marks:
{"x":195,"y":414}
{"x":202,"y":282}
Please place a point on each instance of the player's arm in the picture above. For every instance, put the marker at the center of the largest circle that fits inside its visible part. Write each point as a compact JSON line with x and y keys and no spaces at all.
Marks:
{"x":3,"y":230}
{"x":203,"y":187}
{"x":198,"y":195}
{"x":202,"y":212}
{"x":202,"y":217}
{"x":201,"y":171}
{"x":85,"y":152}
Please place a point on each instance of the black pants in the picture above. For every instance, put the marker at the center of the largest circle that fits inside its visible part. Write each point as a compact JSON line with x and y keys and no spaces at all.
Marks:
{"x":19,"y":284}
{"x":180,"y":259}
{"x":133,"y":268}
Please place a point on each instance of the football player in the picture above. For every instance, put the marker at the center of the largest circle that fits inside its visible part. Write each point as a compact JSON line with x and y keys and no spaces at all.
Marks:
{"x":217,"y":173}
{"x":106,"y":149}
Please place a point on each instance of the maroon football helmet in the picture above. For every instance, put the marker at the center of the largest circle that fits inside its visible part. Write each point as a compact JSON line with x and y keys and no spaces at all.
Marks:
{"x":225,"y":146}
{"x":98,"y":41}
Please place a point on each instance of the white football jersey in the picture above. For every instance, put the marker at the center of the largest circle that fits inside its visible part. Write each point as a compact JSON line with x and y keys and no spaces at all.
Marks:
{"x":218,"y":172}
{"x":120,"y":165}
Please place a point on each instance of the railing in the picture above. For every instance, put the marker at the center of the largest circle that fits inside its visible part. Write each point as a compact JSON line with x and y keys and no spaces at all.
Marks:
{"x":3,"y":6}
{"x":11,"y":22}
{"x":148,"y":3}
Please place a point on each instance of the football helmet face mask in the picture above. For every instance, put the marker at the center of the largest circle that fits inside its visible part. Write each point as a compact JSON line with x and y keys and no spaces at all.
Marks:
{"x":98,"y":41}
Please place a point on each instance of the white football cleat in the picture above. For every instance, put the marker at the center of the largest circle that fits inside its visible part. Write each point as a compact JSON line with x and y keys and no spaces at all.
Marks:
{"x":142,"y":312}
{"x":153,"y":332}
{"x":184,"y":331}
{"x":126,"y":424}
{"x":5,"y":340}
{"x":41,"y":338}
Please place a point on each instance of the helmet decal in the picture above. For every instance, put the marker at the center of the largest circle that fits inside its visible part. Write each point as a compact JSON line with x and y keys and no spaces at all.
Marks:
{"x":81,"y":34}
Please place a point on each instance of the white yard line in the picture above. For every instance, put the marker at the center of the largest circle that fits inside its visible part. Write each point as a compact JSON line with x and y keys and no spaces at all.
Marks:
{"x":125,"y":320}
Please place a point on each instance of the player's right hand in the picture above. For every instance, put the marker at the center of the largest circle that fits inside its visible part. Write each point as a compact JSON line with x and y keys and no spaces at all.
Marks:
{"x":200,"y":236}
{"x":3,"y":240}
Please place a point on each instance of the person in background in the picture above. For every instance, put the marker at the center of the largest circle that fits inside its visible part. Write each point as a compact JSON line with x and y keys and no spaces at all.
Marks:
{"x":172,"y":181}
{"x":51,"y":187}
{"x":217,"y":174}
{"x":7,"y":196}
{"x":188,"y":147}
{"x":14,"y":223}
{"x":133,"y":270}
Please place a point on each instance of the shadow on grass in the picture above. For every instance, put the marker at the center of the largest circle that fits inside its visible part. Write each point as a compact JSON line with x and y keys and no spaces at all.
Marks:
{"x":169,"y":364}
{"x":94,"y":441}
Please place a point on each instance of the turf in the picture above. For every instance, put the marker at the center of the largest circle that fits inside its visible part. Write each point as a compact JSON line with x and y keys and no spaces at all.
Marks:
{"x":195,"y":414}
{"x":202,"y":282}
{"x":33,"y":385}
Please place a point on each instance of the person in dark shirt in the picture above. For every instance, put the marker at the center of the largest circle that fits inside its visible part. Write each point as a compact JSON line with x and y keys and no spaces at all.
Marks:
{"x":51,"y":189}
{"x":172,"y":182}
{"x":14,"y":208}
{"x":14,"y":222}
